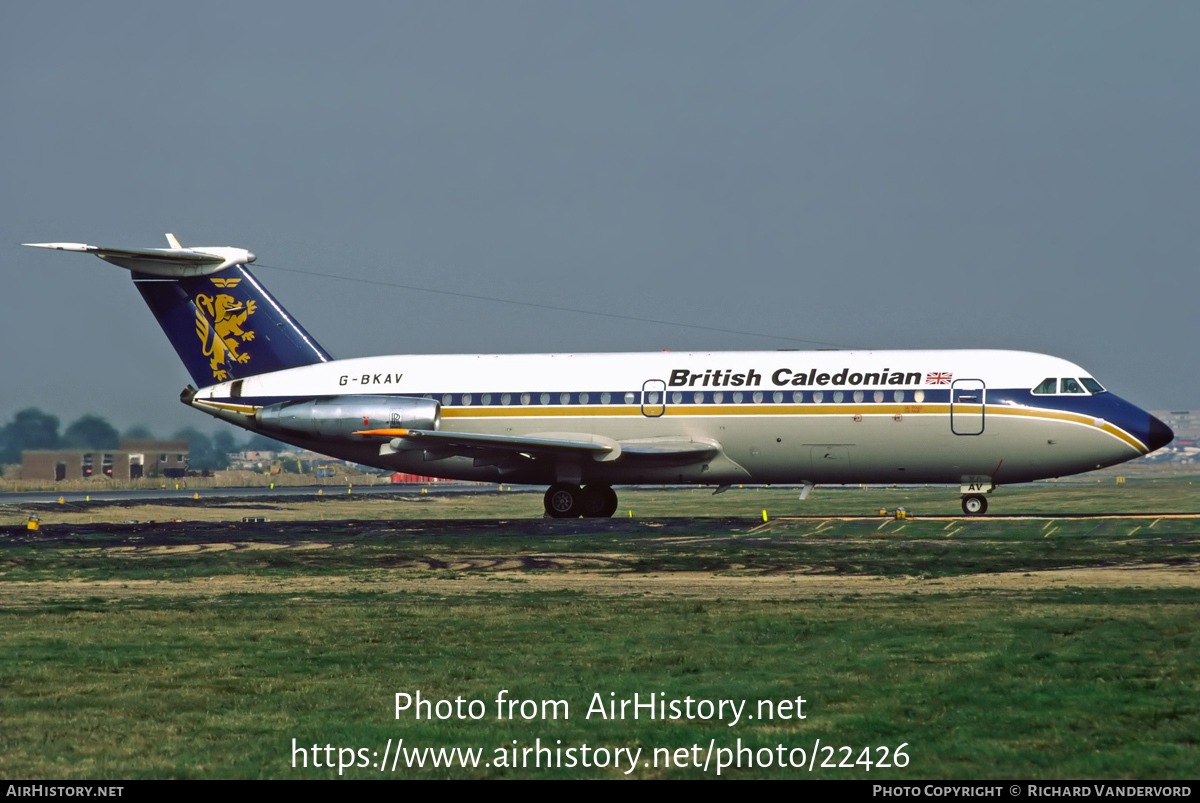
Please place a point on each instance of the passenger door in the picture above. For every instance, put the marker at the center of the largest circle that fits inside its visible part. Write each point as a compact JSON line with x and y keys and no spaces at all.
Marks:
{"x":968,"y":400}
{"x":654,"y":398}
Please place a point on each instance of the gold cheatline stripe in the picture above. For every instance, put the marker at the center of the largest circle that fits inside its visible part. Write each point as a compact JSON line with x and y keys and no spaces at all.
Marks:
{"x":1074,"y":418}
{"x":767,"y":408}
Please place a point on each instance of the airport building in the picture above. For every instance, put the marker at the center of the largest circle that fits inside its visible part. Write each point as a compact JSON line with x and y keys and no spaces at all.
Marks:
{"x":133,"y":460}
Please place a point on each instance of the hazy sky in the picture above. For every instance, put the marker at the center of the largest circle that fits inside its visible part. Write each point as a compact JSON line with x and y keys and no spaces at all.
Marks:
{"x":873,"y":174}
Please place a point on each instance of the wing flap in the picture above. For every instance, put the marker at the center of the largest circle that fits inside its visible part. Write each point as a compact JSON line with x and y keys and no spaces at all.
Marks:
{"x":676,"y":451}
{"x":669,"y":447}
{"x":455,"y":441}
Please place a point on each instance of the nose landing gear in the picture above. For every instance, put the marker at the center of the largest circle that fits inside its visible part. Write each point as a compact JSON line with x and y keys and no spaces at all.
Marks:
{"x":974,"y":505}
{"x":566,"y":501}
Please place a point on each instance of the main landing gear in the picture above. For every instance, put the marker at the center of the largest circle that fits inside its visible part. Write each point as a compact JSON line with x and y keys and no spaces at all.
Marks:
{"x":566,"y":501}
{"x":974,"y":505}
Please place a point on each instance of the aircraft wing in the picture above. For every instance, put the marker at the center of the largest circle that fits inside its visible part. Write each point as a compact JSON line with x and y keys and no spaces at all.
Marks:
{"x":466,"y":443}
{"x":671,"y":449}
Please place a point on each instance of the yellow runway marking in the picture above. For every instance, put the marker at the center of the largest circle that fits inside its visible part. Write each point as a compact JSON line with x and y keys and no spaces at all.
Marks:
{"x":1049,"y":519}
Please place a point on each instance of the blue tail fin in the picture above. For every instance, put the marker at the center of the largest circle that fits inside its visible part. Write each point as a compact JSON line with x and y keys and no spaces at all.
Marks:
{"x":223,"y":324}
{"x":227,"y":326}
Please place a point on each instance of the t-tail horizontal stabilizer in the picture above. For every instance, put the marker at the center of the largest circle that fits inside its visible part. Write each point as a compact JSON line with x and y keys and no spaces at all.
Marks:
{"x":223,"y":327}
{"x":174,"y":262}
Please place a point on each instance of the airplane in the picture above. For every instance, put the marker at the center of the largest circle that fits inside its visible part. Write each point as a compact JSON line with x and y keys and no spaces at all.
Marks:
{"x":582,"y":423}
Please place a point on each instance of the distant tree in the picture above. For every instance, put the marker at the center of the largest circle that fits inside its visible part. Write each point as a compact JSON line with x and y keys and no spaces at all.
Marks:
{"x":224,"y":444}
{"x":261,"y":443}
{"x":30,"y":429}
{"x":90,"y":432}
{"x":203,"y":455}
{"x":200,"y":451}
{"x":138,"y":433}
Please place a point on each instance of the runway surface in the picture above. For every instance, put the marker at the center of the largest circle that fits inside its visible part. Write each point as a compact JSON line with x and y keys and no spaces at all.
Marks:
{"x":156,"y":494}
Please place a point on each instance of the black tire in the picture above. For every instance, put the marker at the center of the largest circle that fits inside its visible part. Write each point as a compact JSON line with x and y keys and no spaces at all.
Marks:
{"x":563,"y":501}
{"x":599,"y":501}
{"x":974,"y":505}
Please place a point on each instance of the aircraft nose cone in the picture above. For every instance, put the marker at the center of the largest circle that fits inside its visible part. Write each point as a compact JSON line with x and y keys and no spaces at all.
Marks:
{"x":1159,"y":434}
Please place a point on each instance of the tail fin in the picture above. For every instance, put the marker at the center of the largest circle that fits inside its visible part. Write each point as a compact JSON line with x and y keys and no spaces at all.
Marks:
{"x":224,"y":326}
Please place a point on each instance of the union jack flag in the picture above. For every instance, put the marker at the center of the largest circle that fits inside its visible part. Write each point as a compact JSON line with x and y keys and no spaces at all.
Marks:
{"x":938,"y":379}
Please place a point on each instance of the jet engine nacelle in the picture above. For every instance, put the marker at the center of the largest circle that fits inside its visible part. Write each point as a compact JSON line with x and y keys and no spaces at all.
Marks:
{"x":339,"y":417}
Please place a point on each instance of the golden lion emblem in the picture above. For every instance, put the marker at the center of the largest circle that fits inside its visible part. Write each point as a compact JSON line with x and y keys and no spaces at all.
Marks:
{"x":221,"y":330}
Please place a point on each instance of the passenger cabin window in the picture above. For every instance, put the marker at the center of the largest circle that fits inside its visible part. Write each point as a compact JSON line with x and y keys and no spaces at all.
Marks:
{"x":1068,"y":385}
{"x":1091,"y":384}
{"x":1047,"y":387}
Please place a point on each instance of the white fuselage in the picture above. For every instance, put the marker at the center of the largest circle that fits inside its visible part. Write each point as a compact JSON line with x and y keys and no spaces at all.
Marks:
{"x":772,"y":417}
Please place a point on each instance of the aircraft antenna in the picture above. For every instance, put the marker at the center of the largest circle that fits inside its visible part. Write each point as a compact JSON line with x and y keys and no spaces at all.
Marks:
{"x":555,"y":308}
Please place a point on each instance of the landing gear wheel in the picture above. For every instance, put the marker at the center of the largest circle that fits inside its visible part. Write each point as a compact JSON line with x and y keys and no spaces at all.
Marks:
{"x":599,"y":502}
{"x":974,"y":505}
{"x":564,"y":501}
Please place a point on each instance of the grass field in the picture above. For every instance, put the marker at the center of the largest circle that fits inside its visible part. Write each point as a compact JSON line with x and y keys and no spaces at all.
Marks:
{"x":1177,"y":495}
{"x":991,"y":648}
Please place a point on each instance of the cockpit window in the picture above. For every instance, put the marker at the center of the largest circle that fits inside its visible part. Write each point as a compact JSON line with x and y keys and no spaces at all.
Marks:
{"x":1091,"y":384}
{"x":1069,"y":385}
{"x":1048,"y":386}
